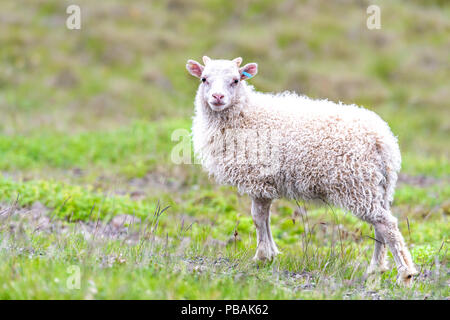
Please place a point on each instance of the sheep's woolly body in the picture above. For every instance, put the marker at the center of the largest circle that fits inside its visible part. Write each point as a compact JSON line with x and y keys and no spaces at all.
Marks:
{"x":339,"y":153}
{"x":284,"y":145}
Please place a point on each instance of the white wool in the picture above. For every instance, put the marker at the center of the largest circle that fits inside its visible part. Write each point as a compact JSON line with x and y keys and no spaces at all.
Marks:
{"x":338,"y":153}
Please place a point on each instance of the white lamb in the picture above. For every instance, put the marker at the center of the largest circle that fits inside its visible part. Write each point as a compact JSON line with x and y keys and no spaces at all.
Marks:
{"x":284,"y":145}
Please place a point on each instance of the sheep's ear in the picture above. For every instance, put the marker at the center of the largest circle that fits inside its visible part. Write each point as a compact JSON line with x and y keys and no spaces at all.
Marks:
{"x":194,"y":68}
{"x":206,"y":60}
{"x":248,"y":71}
{"x":238,"y":61}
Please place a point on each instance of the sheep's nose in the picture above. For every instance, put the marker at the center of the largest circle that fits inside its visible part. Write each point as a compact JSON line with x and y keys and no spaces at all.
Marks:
{"x":218,"y":96}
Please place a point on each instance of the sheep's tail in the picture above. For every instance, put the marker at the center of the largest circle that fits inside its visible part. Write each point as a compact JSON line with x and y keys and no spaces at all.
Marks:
{"x":390,"y":153}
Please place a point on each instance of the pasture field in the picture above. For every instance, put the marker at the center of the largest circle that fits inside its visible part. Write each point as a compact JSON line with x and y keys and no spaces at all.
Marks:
{"x":91,"y":205}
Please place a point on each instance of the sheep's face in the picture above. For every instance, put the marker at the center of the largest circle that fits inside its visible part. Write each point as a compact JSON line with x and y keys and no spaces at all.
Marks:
{"x":220,"y":80}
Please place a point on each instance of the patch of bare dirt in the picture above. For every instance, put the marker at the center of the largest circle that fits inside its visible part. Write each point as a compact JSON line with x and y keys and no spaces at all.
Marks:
{"x":39,"y":218}
{"x":155,"y":181}
{"x":419,"y":180}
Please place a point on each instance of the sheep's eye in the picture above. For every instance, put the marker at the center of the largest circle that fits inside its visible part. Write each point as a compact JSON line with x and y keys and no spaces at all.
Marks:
{"x":203,"y":79}
{"x":235,"y":81}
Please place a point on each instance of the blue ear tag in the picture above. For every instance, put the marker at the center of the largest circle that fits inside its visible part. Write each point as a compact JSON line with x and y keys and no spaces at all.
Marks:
{"x":248,"y":75}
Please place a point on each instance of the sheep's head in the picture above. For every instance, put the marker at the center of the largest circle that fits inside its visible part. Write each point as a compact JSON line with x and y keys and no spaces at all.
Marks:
{"x":221,"y":79}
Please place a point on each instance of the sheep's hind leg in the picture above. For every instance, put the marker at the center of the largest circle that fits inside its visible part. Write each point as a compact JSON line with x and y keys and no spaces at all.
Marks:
{"x":386,"y":227}
{"x":266,"y":247}
{"x":378,"y":262}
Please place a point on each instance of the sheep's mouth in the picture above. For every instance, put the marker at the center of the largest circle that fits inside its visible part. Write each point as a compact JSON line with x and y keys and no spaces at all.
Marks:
{"x":217,"y":104}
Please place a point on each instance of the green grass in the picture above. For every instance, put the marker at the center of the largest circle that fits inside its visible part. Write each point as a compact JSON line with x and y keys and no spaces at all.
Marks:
{"x":40,"y":265}
{"x":133,"y":150}
{"x":86,"y":128}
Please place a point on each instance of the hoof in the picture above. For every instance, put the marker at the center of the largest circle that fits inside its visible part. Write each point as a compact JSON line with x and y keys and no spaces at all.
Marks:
{"x":375,"y":268}
{"x":265,"y":253}
{"x":405,"y":276}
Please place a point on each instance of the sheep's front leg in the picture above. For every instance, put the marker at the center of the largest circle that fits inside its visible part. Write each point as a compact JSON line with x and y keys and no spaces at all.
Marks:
{"x":266,"y":248}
